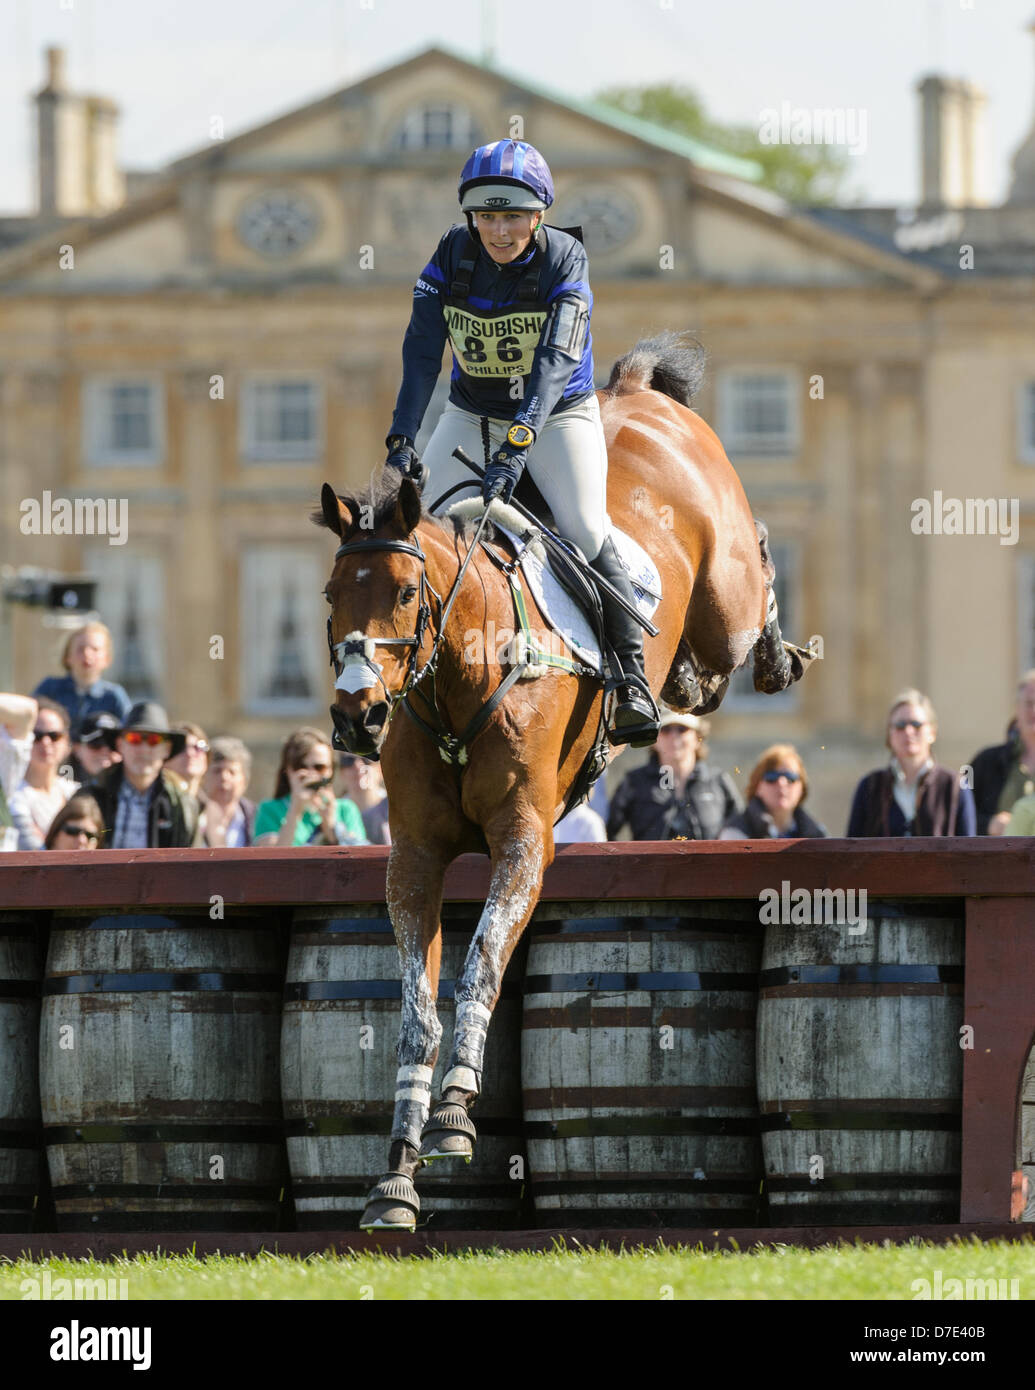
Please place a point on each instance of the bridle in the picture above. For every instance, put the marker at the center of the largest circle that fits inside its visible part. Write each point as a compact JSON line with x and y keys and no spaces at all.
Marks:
{"x":364,"y":646}
{"x":452,"y":749}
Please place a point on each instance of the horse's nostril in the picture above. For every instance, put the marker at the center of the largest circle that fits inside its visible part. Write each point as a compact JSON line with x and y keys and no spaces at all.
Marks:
{"x":374,"y":717}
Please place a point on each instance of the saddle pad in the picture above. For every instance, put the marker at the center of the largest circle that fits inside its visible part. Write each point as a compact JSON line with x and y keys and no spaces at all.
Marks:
{"x":561,"y":611}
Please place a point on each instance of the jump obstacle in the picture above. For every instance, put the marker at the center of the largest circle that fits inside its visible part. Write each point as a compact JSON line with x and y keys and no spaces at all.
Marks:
{"x":687,"y":1048}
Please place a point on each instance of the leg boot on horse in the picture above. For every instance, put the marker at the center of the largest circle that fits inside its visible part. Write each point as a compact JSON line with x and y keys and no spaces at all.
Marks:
{"x":635,"y":719}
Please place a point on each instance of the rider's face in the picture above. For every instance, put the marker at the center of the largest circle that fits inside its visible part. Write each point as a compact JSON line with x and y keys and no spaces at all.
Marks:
{"x":506,"y":235}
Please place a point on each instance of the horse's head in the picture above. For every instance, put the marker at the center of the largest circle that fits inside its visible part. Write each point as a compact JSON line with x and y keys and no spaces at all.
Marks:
{"x":378,"y":593}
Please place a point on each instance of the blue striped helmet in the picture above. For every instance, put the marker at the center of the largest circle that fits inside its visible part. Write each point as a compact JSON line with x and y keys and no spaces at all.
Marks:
{"x":506,"y":174}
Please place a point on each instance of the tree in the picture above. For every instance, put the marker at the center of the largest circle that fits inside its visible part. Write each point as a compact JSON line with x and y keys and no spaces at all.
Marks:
{"x":799,"y":173}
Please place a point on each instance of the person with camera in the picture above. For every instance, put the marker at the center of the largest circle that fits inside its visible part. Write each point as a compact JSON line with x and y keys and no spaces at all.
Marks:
{"x":303,"y":809}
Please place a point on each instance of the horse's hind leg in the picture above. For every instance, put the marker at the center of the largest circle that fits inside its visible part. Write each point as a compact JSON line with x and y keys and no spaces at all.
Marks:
{"x":414,"y":893}
{"x":519,"y":856}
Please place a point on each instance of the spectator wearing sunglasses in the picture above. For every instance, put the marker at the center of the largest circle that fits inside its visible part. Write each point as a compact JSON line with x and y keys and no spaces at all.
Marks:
{"x":913,"y":795}
{"x":303,"y":809}
{"x":775,"y":792}
{"x":78,"y":825}
{"x":143,"y":806}
{"x":45,"y":787}
{"x":365,"y":787}
{"x":93,"y":746}
{"x":192,"y":764}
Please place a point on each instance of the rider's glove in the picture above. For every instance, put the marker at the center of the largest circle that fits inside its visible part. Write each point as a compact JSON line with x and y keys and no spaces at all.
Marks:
{"x":502,"y":474}
{"x":402,"y":455}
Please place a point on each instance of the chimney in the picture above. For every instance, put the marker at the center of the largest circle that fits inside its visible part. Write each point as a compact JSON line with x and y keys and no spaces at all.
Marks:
{"x":77,"y":168}
{"x":951,"y":143}
{"x":1022,"y":189}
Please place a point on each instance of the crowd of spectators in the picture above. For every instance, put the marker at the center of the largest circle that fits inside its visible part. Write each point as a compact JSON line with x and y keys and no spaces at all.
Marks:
{"x":83,"y":767}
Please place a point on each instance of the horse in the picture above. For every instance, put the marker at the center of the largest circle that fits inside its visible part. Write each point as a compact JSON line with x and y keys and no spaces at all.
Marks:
{"x":671,"y":485}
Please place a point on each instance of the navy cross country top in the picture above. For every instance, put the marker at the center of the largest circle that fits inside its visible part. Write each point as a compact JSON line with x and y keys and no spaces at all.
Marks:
{"x":495,"y":336}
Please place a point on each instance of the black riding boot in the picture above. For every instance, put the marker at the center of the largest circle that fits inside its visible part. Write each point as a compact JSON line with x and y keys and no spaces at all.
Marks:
{"x":635,"y":718}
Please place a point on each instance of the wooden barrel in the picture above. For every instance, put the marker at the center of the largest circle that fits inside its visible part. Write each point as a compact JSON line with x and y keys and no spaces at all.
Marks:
{"x":21,"y":965}
{"x":159,"y":1072}
{"x":638,"y":1069}
{"x":342,"y":1006}
{"x":860,"y":1069}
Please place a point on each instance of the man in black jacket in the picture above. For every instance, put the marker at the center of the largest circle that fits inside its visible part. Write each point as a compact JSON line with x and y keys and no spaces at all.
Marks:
{"x":677,"y":795}
{"x":144,"y":808}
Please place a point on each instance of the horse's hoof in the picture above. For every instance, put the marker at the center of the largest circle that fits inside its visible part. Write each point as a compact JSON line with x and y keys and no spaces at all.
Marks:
{"x":393,"y":1205}
{"x":449,"y":1133}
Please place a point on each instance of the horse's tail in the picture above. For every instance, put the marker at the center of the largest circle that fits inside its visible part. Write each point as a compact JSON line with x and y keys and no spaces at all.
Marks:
{"x":672,"y":363}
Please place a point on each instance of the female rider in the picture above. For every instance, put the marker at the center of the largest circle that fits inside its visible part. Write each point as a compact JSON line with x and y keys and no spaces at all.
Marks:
{"x":513,"y":297}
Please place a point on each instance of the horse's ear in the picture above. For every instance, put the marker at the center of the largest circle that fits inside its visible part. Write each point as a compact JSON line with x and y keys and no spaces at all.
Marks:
{"x":337,"y":515}
{"x":407,"y":506}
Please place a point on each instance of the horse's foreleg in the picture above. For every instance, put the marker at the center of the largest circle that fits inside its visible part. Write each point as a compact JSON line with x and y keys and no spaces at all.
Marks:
{"x":414,"y":893}
{"x":520,"y":852}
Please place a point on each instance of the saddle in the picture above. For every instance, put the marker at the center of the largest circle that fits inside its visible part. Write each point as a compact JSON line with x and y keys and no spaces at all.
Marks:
{"x":568,"y":601}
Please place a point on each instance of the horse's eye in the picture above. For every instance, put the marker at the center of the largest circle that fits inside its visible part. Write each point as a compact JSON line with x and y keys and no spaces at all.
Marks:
{"x":327,"y":596}
{"x":407,"y":594}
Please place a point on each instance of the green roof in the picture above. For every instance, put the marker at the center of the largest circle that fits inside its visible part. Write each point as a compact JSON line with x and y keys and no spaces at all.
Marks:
{"x":705,"y":156}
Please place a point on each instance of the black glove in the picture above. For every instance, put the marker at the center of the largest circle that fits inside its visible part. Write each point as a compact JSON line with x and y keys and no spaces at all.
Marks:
{"x":402,"y":455}
{"x":501,"y":477}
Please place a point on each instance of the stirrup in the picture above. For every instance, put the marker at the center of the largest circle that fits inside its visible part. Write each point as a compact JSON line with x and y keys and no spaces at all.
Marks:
{"x":635,"y":719}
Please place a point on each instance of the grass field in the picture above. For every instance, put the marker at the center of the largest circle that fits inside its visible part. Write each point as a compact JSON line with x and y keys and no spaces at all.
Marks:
{"x":842,"y":1272}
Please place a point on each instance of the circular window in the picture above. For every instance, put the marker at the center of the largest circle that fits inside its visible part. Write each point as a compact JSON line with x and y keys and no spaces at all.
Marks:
{"x":278,"y":224}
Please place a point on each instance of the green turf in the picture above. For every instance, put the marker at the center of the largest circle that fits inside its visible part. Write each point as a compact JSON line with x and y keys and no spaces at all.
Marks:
{"x":842,"y":1272}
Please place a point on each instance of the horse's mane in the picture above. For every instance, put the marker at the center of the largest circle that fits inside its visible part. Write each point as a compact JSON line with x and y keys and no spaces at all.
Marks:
{"x":672,"y":363}
{"x":378,"y":504}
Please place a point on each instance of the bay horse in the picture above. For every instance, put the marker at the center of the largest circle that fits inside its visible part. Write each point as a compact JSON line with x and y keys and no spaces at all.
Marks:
{"x":671,"y":486}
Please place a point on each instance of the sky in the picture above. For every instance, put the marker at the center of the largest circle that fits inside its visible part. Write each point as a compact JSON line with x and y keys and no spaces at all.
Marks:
{"x":171,"y":64}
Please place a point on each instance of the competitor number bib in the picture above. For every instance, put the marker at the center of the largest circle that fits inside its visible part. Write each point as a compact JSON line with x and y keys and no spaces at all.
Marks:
{"x":500,"y":344}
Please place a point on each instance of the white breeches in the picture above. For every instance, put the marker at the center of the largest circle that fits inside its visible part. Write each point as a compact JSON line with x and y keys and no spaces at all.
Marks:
{"x":568,"y":464}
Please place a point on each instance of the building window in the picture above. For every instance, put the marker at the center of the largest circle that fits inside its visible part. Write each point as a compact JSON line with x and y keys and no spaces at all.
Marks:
{"x":441,"y":126}
{"x":742,"y":697}
{"x":281,"y":420}
{"x":131,"y":600}
{"x":283,"y":631}
{"x":1026,"y":422}
{"x":122,"y":422}
{"x":758,"y":412}
{"x":1026,"y":612}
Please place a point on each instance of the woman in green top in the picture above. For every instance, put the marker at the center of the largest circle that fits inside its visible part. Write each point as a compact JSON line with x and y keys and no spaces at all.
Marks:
{"x":304,"y":809}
